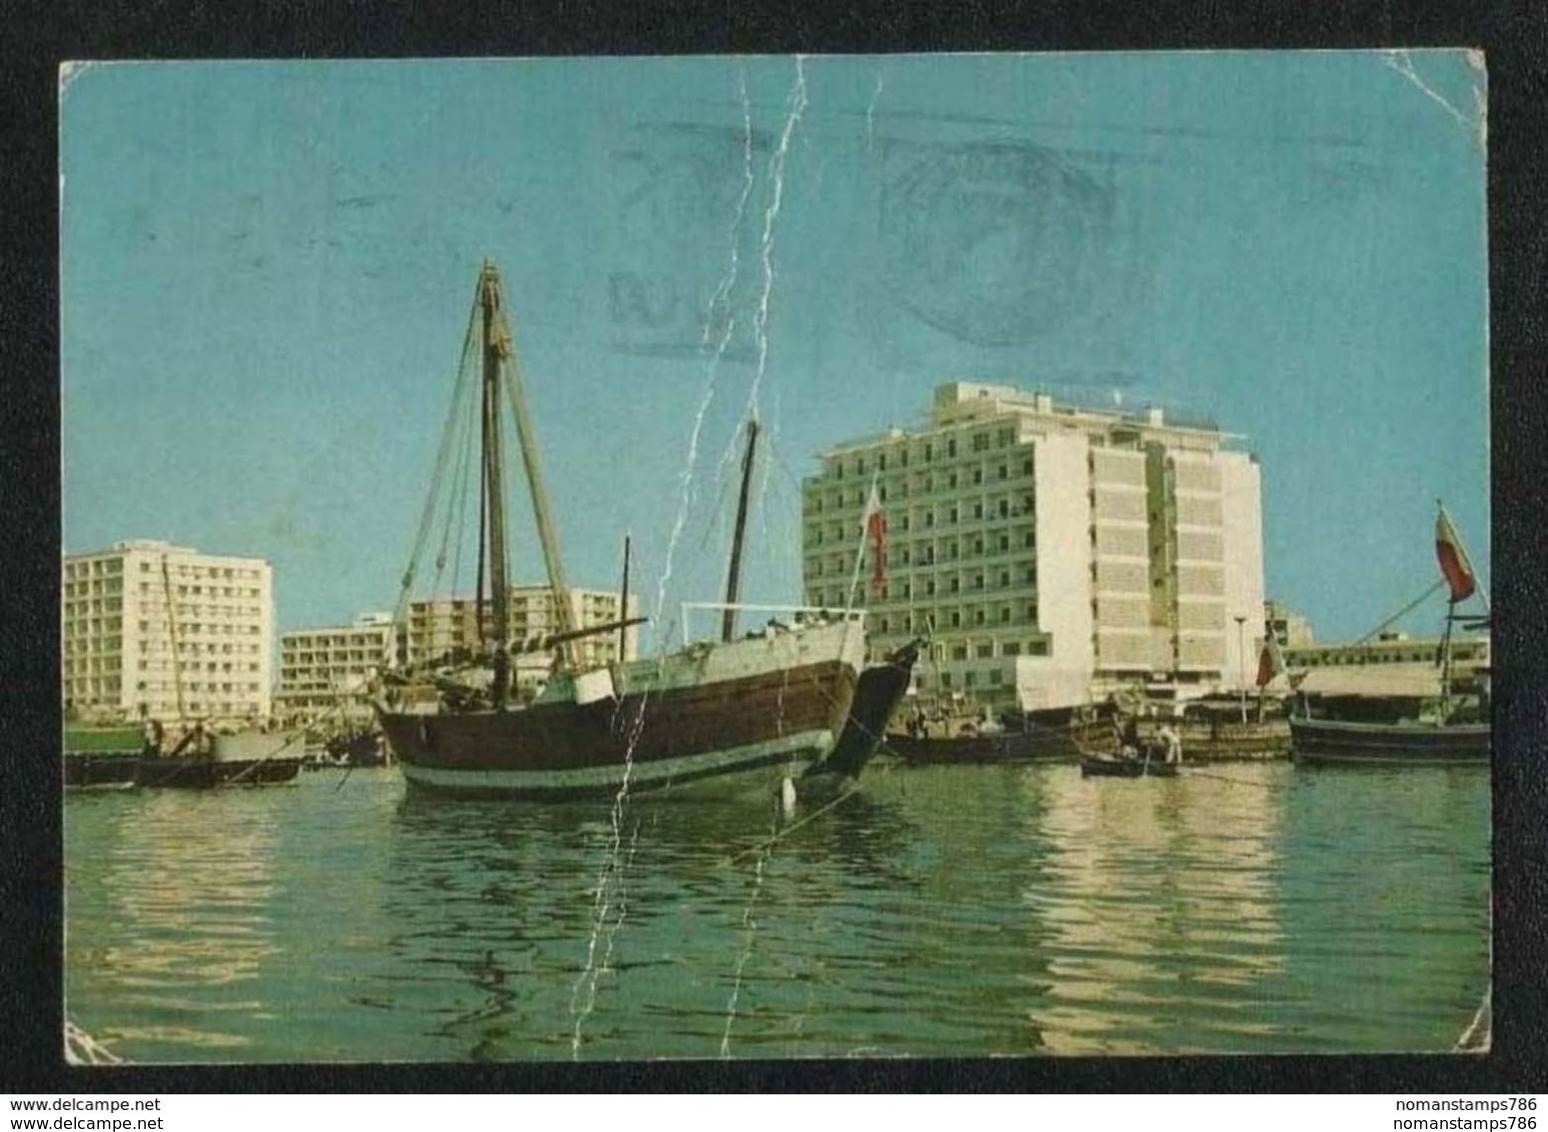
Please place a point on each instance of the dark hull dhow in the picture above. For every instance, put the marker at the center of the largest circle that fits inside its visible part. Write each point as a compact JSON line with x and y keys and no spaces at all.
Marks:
{"x":710,"y":711}
{"x":1344,"y":742}
{"x":82,"y":771}
{"x":100,"y":756}
{"x":202,"y":773}
{"x":877,"y":695}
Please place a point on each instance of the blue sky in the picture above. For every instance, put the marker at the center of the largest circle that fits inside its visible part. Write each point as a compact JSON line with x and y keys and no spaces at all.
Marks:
{"x":266,"y":272}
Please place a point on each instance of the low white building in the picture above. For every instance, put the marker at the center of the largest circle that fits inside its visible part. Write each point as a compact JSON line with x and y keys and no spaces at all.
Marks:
{"x":440,"y":626}
{"x":331,"y":669}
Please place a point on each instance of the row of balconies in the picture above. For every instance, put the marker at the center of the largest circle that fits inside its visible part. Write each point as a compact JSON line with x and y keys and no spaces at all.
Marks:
{"x":95,"y":567}
{"x":821,"y":498}
{"x":842,"y":535}
{"x":936,"y":450}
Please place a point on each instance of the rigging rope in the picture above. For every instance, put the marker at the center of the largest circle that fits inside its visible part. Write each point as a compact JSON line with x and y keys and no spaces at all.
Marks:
{"x":1439,"y":583}
{"x":400,"y":611}
{"x":456,"y":508}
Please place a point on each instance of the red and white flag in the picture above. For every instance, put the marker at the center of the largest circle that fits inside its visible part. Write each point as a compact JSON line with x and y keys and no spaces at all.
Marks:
{"x":875,"y":522}
{"x":1453,"y":558}
{"x":1271,"y":662}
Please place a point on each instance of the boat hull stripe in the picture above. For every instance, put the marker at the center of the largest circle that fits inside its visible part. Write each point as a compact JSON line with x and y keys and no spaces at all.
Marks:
{"x":642,"y":775}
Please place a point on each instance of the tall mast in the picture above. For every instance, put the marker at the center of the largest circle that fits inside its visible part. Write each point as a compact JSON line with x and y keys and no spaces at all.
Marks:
{"x":623,"y":608}
{"x":563,"y":615}
{"x":494,"y":474}
{"x":177,"y":664}
{"x":734,"y":574}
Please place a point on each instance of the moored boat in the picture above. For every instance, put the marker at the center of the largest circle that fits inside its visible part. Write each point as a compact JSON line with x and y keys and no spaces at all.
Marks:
{"x":1413,"y":742}
{"x":101,"y":756}
{"x":776,"y":699}
{"x":878,"y":693}
{"x":1126,"y":766}
{"x":1447,"y":730}
{"x":196,"y":772}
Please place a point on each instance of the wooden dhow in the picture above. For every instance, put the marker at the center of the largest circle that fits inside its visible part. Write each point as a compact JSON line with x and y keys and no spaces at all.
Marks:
{"x":1453,"y":729}
{"x":773,"y":700}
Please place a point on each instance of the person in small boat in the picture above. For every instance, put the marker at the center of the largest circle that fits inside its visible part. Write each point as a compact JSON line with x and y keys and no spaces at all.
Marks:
{"x":152,"y":734}
{"x":1129,"y":739}
{"x":194,"y":743}
{"x":1172,"y":743}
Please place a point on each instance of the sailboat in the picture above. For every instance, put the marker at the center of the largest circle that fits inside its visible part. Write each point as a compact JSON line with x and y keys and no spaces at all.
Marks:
{"x":774,"y":700}
{"x":1455,"y":729}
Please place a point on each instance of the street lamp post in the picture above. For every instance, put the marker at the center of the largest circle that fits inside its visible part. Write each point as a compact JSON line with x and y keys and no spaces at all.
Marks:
{"x":1241,"y":660}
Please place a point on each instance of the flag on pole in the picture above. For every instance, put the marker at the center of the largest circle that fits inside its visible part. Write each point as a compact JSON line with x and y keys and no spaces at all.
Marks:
{"x":876,"y":532}
{"x":1454,"y":563}
{"x":1271,"y":662}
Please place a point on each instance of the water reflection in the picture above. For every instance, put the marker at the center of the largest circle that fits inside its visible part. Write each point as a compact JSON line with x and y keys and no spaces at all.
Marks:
{"x":1156,"y":898}
{"x":190,"y":878}
{"x":957,"y":911}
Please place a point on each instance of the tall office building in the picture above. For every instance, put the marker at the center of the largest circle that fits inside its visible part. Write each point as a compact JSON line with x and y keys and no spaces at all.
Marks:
{"x":163,"y":630}
{"x":1054,"y":553}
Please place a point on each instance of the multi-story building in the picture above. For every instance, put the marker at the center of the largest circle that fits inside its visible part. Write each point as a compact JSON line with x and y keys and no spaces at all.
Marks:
{"x":1291,"y":629}
{"x":1053,"y":553}
{"x":161,"y":630}
{"x":439,"y":626}
{"x":330,"y":669}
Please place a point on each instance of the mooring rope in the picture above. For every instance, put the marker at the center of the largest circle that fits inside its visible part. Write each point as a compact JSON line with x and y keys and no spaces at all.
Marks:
{"x":770,"y":842}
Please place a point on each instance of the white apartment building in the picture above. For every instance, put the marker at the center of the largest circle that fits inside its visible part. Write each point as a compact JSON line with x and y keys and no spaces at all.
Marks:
{"x":1054,"y":553}
{"x":438,"y":626}
{"x":330,"y":669}
{"x":148,"y":627}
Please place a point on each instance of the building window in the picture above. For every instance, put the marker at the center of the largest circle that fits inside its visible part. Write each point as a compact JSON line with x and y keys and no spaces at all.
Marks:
{"x":985,"y":650}
{"x":969,"y":679}
{"x":956,"y":619}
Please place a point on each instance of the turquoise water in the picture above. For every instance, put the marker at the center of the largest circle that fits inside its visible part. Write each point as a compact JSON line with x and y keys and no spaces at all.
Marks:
{"x":945,"y":911}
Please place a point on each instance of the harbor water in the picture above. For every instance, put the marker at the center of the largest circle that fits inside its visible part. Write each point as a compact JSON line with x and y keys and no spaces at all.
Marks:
{"x":942,"y":911}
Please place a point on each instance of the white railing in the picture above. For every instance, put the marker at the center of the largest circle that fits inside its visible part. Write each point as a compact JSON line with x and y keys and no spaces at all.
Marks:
{"x":808,"y":610}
